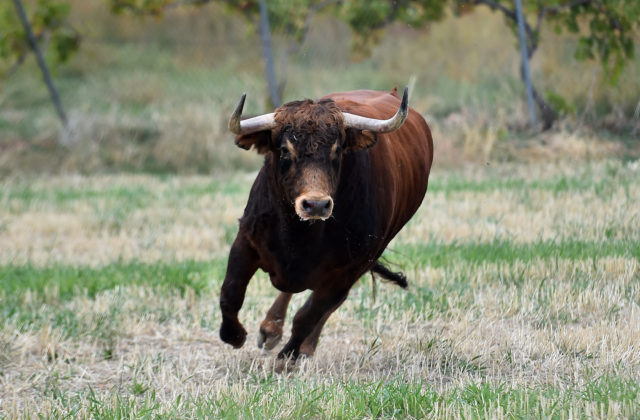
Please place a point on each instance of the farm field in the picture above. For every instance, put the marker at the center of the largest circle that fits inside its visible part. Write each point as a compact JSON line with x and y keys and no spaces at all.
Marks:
{"x":524,"y":302}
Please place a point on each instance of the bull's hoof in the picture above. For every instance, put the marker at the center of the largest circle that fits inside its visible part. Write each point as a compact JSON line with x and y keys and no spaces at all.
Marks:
{"x":286,"y":361}
{"x":284,"y":366}
{"x":233,"y":334}
{"x":288,"y":353}
{"x":307,"y":350}
{"x":270,"y":335}
{"x":287,"y":364}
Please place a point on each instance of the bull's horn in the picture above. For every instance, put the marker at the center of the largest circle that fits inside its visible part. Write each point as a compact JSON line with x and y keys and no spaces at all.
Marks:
{"x":250,"y":125}
{"x":380,"y":126}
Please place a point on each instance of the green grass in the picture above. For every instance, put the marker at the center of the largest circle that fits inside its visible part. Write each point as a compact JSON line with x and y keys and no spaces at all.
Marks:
{"x":436,"y":254}
{"x":71,"y":280}
{"x":272,"y":398}
{"x":504,"y":326}
{"x":557,"y":185}
{"x":50,"y":288}
{"x":137,"y":195}
{"x":32,"y":298}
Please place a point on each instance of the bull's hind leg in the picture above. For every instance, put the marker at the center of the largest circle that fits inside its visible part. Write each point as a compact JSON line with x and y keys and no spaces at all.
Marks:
{"x":271,"y":327}
{"x":308,"y":347}
{"x":310,"y":316}
{"x":242,"y":264}
{"x":396,"y":277}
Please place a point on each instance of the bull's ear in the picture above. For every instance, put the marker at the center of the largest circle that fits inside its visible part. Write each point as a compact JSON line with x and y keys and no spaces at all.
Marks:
{"x":359,"y":140}
{"x":261,"y":141}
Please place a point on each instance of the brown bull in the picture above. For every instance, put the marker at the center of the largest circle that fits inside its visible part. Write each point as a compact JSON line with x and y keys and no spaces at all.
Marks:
{"x":340,"y":179}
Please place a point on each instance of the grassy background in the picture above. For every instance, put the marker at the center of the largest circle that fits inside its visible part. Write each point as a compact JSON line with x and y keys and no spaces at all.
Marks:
{"x":155,"y":95}
{"x":523,"y":302}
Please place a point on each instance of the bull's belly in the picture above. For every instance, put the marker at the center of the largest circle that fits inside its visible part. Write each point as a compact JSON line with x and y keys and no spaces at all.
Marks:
{"x":307,"y":274}
{"x":288,"y":285}
{"x":336,"y":258}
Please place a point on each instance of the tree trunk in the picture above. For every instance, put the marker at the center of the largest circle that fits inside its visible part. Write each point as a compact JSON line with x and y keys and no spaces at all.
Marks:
{"x":33,"y":43}
{"x":547,"y":113}
{"x":267,"y":54}
{"x":525,"y":63}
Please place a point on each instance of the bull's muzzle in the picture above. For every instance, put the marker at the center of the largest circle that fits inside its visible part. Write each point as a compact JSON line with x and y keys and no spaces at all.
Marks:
{"x":314,"y":207}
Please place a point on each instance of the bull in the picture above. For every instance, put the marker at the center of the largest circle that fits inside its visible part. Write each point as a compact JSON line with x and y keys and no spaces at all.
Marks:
{"x":341,"y":177}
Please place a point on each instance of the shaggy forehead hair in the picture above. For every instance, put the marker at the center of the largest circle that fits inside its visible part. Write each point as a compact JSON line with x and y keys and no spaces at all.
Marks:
{"x":312,"y":123}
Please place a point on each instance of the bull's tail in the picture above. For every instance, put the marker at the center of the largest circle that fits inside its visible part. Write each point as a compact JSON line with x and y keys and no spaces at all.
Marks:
{"x":396,"y":277}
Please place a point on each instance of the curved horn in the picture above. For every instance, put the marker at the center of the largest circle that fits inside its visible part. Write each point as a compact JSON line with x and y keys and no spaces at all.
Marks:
{"x":380,"y":126}
{"x":250,"y":125}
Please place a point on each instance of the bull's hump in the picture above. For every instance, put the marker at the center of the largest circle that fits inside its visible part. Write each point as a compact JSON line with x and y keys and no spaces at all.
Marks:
{"x":367,"y":103}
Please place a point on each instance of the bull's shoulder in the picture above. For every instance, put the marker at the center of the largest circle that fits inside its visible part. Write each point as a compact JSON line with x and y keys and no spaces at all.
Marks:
{"x":259,"y":209}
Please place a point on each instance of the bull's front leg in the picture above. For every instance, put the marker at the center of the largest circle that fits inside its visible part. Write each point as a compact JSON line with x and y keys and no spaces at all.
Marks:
{"x":242,"y":264}
{"x":312,"y":314}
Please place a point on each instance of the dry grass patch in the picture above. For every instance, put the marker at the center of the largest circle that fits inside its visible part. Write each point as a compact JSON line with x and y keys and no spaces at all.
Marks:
{"x":95,"y":220}
{"x":494,"y":332}
{"x":524,"y":298}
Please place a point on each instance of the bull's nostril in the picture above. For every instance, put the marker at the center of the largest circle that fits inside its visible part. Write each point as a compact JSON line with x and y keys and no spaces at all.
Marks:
{"x":315,"y":208}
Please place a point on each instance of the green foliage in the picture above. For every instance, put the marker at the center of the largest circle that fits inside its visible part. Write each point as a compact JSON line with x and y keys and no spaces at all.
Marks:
{"x":285,"y":16}
{"x":368,"y":18}
{"x":152,"y":7}
{"x":561,"y":105}
{"x":606,"y":29}
{"x":364,"y":16}
{"x":48,"y":19}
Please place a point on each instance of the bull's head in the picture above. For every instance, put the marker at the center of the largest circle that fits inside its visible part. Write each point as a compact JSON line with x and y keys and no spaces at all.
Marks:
{"x":305,"y":141}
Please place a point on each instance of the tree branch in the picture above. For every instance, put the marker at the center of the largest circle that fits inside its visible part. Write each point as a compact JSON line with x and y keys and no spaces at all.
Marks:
{"x":511,"y":14}
{"x":141,"y":11}
{"x":179,"y":3}
{"x":539,"y":18}
{"x":613,"y":19}
{"x":295,"y":46}
{"x":46,"y":74}
{"x":561,"y":7}
{"x":395,"y":8}
{"x":16,"y":65}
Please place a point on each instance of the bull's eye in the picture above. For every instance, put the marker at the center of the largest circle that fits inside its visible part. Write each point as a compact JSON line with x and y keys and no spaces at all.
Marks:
{"x":336,"y":153}
{"x":285,"y":159}
{"x":285,"y":153}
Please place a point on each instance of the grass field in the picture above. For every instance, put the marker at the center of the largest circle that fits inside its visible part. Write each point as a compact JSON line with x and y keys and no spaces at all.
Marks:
{"x":524,"y":297}
{"x":524,"y":302}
